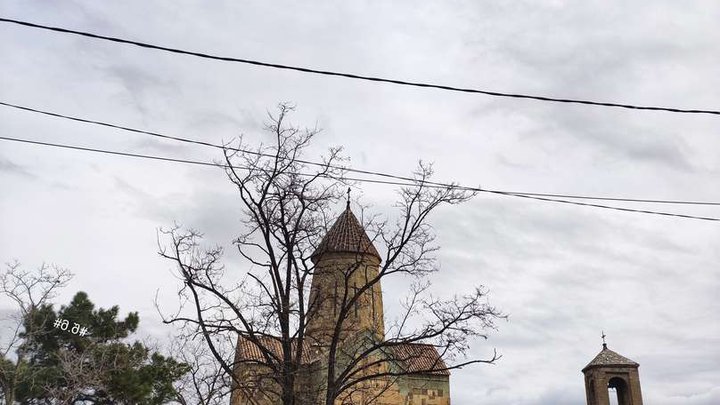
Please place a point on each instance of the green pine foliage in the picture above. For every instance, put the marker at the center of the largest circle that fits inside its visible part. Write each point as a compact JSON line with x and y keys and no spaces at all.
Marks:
{"x":102,"y":367}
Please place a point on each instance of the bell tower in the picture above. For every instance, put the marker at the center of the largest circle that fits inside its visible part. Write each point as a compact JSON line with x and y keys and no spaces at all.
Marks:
{"x":345,"y":260}
{"x":612,"y":374}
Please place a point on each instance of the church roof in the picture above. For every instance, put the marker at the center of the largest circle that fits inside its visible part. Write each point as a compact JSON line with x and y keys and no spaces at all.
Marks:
{"x":346,"y":235}
{"x":410,"y":357}
{"x":249,"y":351}
{"x":607,"y":357}
{"x":415,"y":357}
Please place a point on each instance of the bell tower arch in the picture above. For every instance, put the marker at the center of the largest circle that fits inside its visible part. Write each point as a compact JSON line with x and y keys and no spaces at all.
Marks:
{"x":612,"y":374}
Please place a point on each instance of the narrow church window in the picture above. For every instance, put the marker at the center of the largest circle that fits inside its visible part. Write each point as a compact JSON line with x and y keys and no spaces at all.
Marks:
{"x":335,"y":297}
{"x":357,"y":300}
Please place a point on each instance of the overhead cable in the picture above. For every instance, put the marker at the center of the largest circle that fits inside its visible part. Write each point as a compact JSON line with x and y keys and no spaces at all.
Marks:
{"x":358,"y":76}
{"x":362,"y":180}
{"x":359,"y":171}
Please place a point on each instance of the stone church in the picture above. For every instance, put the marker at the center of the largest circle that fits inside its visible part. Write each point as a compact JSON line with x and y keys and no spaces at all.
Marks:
{"x":347,"y":246}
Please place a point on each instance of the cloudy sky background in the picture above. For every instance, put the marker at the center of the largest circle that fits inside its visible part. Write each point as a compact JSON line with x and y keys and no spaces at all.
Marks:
{"x":563,"y":273}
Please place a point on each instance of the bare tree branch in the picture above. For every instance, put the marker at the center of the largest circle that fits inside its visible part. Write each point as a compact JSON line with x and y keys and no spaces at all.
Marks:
{"x":29,"y":290}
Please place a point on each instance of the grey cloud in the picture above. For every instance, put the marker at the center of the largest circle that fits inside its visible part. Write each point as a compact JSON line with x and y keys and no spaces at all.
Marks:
{"x":9,"y":167}
{"x":203,"y":210}
{"x":146,"y":89}
{"x":709,"y":396}
{"x":166,"y":148}
{"x":574,"y":132}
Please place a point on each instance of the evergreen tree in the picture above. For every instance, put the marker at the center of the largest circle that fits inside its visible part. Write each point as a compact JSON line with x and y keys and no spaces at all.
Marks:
{"x":61,"y":364}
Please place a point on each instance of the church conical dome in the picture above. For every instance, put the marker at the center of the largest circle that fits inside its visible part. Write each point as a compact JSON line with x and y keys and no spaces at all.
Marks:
{"x":607,"y":357}
{"x":346,"y":235}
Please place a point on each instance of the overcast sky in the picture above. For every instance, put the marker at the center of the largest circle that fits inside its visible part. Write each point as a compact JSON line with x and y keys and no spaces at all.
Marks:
{"x":563,"y":273}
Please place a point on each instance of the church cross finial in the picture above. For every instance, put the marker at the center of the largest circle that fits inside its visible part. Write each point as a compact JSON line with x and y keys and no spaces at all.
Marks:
{"x":348,"y":198}
{"x":603,"y":338}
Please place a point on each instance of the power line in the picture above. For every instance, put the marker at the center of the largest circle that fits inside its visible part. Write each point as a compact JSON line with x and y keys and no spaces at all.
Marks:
{"x":116,"y":153}
{"x":357,"y":76}
{"x":203,"y":163}
{"x":359,"y":171}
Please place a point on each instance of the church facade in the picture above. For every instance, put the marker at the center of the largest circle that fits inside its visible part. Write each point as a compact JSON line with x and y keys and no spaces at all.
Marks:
{"x":344,"y":262}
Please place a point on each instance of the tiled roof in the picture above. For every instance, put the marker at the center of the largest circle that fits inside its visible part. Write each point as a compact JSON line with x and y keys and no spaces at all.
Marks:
{"x":607,"y":357}
{"x":410,"y":357}
{"x":346,"y":236}
{"x":425,"y":359}
{"x":247,"y":350}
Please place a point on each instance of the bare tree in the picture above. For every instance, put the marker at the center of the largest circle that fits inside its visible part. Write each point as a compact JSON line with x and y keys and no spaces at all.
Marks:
{"x":28,"y":290}
{"x":206,"y":383}
{"x":80,"y":370}
{"x":284,"y":213}
{"x":287,"y":204}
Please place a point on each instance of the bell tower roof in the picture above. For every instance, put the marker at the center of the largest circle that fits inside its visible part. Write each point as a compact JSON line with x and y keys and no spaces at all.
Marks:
{"x":346,"y":235}
{"x":607,"y":357}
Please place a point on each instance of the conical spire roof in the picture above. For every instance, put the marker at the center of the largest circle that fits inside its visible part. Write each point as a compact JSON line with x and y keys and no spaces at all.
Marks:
{"x":346,"y":235}
{"x":607,"y":357}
